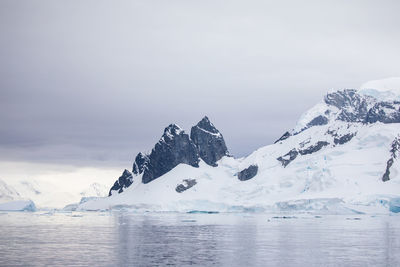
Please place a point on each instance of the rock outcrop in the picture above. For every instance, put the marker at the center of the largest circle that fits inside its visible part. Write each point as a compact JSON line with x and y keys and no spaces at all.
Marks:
{"x":174,"y":147}
{"x":352,"y":106}
{"x":140,"y":163}
{"x":394,"y":154}
{"x":292,"y":154}
{"x":319,"y":120}
{"x":340,"y":140}
{"x":248,"y":173}
{"x":124,"y":181}
{"x":314,"y":148}
{"x":185,"y":185}
{"x":288,"y":157}
{"x":209,"y":142}
{"x":385,"y":112}
{"x":285,"y":136}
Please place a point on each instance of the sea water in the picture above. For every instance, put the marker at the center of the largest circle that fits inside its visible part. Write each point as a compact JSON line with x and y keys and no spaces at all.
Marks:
{"x":160,"y":239}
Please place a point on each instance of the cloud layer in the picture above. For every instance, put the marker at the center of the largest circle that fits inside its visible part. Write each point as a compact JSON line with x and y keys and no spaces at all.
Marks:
{"x":91,"y":81}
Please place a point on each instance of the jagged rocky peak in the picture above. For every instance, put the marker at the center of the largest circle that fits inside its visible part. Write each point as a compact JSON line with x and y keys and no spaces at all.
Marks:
{"x":209,"y":142}
{"x":174,"y":148}
{"x":140,"y":163}
{"x":171,"y":131}
{"x":124,"y":181}
{"x":353,"y":106}
{"x":342,"y":98}
{"x":385,"y":112}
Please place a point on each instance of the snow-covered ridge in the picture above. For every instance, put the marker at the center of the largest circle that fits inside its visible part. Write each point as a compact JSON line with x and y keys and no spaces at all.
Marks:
{"x":340,"y":158}
{"x":374,"y":101}
{"x":384,"y":89}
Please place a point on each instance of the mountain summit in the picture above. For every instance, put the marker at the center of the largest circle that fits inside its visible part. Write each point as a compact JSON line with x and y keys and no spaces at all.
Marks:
{"x":176,"y":147}
{"x":341,"y":157}
{"x":209,"y":142}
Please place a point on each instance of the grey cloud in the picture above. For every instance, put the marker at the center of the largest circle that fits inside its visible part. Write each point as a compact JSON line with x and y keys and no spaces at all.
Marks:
{"x":89,"y":81}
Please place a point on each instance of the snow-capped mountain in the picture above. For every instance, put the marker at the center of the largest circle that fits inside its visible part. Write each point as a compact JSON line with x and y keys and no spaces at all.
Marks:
{"x":175,"y":147}
{"x":342,"y":156}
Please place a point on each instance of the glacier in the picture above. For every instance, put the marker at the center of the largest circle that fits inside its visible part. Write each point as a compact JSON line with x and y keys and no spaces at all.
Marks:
{"x":18,"y":205}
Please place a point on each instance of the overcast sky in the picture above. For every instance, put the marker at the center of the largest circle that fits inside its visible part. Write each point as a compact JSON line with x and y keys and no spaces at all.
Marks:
{"x":95,"y":82}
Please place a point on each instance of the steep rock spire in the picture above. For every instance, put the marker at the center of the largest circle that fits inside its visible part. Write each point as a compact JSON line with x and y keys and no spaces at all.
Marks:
{"x":174,"y":147}
{"x":209,"y":142}
{"x":124,"y":181}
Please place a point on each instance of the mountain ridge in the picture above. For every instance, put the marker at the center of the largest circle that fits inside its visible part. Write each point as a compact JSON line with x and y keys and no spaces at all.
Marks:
{"x":345,"y":142}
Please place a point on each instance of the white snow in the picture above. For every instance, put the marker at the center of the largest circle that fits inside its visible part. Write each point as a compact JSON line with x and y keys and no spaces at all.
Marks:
{"x":343,"y":178}
{"x":208,"y":132}
{"x":53,"y":186}
{"x":336,"y":179}
{"x":384,"y":89}
{"x":330,"y":112}
{"x":7,"y":192}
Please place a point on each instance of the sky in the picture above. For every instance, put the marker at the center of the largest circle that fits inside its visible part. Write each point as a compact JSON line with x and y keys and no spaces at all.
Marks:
{"x":92,"y":83}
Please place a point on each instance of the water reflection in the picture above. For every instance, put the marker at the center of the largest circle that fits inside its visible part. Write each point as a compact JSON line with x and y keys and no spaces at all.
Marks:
{"x":122,"y":239}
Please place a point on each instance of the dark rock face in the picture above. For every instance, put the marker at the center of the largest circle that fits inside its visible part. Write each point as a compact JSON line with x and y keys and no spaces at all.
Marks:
{"x":394,"y":154}
{"x":289,"y":157}
{"x":313,"y":148}
{"x":353,"y":106}
{"x":187,"y":183}
{"x":320,"y":120}
{"x":283,"y":137}
{"x":140,"y":163}
{"x":124,"y":181}
{"x":248,"y":173}
{"x":386,"y":175}
{"x":292,"y":154}
{"x":385,"y":112}
{"x":357,"y":108}
{"x":340,"y":140}
{"x":174,"y":147}
{"x":209,"y":142}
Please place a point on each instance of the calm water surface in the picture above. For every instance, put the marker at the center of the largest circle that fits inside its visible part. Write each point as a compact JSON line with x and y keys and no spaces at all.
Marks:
{"x":125,"y":239}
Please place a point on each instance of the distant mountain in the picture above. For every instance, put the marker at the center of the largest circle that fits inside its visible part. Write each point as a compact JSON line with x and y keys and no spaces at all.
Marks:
{"x":49,"y":190}
{"x":342,"y":156}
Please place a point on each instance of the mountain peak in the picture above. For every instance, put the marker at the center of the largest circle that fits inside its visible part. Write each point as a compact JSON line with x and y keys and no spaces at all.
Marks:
{"x":174,"y":148}
{"x":123,"y":182}
{"x":207,"y":125}
{"x":173,"y":129}
{"x":209,"y":141}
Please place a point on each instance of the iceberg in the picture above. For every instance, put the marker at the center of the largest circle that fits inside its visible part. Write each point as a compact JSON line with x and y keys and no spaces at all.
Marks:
{"x":18,"y":205}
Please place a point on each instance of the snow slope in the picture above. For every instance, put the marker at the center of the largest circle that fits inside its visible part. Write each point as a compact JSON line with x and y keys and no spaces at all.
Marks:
{"x":337,"y":168}
{"x":349,"y":174}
